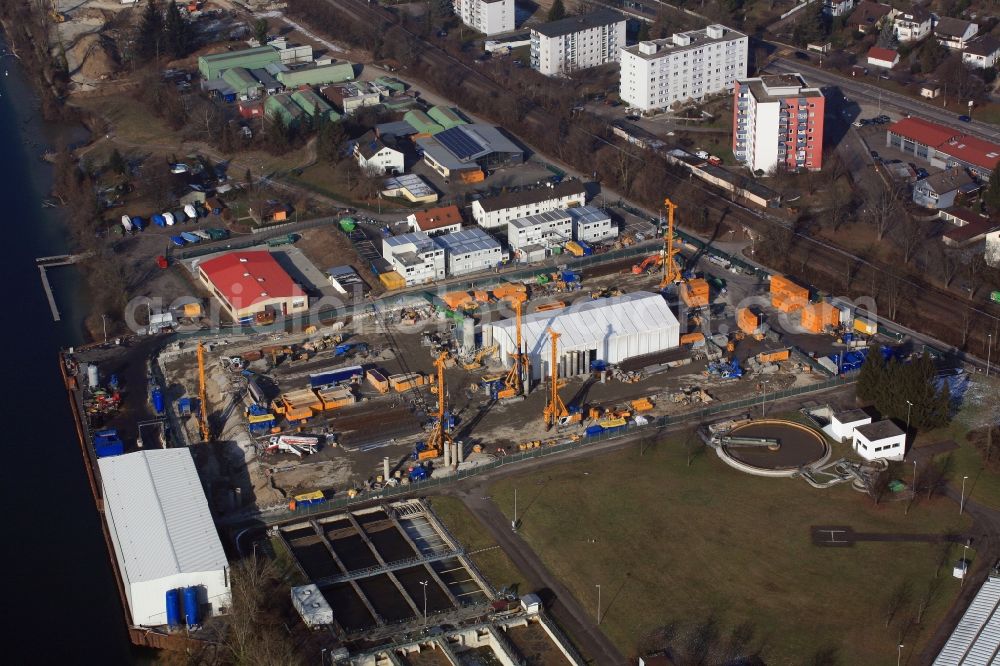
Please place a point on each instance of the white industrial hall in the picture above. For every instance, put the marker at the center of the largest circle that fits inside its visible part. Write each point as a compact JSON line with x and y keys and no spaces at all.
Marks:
{"x":163,"y":533}
{"x":606,"y":329}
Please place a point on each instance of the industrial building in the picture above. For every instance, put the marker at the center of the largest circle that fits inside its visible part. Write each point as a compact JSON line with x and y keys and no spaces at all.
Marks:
{"x":416,"y":257}
{"x":436,"y":221}
{"x":607,"y":329}
{"x":554,"y":227}
{"x":881,"y":439}
{"x":591,"y":224}
{"x":487,"y":16}
{"x":976,"y":639}
{"x":421,"y":123}
{"x":411,"y":187}
{"x":317,"y":108}
{"x":163,"y":534}
{"x":374,"y":156}
{"x":445,"y":117}
{"x":282,"y":106}
{"x":349,"y":97}
{"x":688,"y":65}
{"x":316,"y":74}
{"x":577,"y":42}
{"x":465,"y":150}
{"x":778,"y":123}
{"x":943,"y":147}
{"x":497,"y":211}
{"x":249,"y":283}
{"x":470,"y":250}
{"x":212,"y":66}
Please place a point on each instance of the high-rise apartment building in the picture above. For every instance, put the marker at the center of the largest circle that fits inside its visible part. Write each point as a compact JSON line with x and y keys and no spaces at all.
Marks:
{"x":689,"y":65}
{"x":577,"y":42}
{"x":489,"y":17}
{"x":778,"y":121}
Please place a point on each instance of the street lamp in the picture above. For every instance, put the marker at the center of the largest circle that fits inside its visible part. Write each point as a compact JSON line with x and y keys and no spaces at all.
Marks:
{"x":989,"y":352}
{"x":914,"y":477}
{"x":961,"y":503}
{"x":598,"y":603}
{"x":513,"y":523}
{"x":424,"y":584}
{"x":763,"y":397}
{"x":899,"y":653}
{"x":909,"y":408}
{"x":104,"y":323}
{"x":965,"y":563}
{"x":322,"y":656}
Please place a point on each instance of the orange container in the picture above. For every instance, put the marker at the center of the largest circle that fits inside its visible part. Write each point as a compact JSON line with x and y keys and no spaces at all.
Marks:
{"x":377,"y":381}
{"x":691,"y":338}
{"x":695,"y":293}
{"x":771,"y":357}
{"x":818,"y":316}
{"x":456,"y":299}
{"x":748,"y":321}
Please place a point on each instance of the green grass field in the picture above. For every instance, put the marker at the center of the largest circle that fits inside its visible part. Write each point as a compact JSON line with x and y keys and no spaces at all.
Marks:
{"x":705,"y":545}
{"x":492,"y":563}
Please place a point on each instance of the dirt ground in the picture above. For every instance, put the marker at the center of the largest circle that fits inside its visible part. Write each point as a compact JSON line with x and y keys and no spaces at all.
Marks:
{"x":326,"y":247}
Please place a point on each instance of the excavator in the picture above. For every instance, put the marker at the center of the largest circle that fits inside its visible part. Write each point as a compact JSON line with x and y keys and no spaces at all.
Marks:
{"x":652,"y":261}
{"x":439,"y":437}
{"x":554,"y":409}
{"x":513,"y":385}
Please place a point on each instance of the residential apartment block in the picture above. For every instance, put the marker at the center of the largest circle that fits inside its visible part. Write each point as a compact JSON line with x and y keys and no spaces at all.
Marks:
{"x":415,"y":257}
{"x":487,"y":16}
{"x":499,"y":210}
{"x":577,"y":42}
{"x":689,"y":65}
{"x":554,"y":227}
{"x":778,"y":121}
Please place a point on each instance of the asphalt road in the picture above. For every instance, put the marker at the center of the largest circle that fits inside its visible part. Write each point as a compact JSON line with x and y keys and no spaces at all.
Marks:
{"x":857,"y":89}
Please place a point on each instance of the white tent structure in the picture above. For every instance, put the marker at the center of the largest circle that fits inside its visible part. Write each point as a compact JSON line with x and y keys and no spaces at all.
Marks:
{"x":976,"y":639}
{"x":606,"y":329}
{"x":163,"y":534}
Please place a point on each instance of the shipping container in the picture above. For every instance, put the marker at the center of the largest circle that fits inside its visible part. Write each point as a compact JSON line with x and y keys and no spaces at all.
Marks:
{"x":377,"y":380}
{"x":335,"y":397}
{"x":695,"y":293}
{"x":574,"y":248}
{"x":392,"y":280}
{"x":866,"y":327}
{"x":406,"y":381}
{"x":335,"y":376}
{"x":192,"y":309}
{"x":817,"y":317}
{"x":786,"y":295}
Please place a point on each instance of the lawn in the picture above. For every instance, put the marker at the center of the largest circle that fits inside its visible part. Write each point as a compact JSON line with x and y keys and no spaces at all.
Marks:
{"x":493,"y":563}
{"x":983,"y":485}
{"x":705,"y":545}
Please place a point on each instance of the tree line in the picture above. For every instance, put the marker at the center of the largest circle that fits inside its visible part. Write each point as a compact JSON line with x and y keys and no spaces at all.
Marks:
{"x":905,"y":391}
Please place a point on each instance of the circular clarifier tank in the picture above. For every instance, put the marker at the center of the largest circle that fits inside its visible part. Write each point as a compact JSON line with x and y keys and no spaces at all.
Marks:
{"x":796,"y":446}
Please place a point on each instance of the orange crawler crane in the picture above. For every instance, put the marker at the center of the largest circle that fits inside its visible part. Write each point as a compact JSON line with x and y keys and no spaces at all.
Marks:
{"x":670,"y":272}
{"x":514,"y":383}
{"x":555,"y":409}
{"x":439,"y":437}
{"x":202,"y":394}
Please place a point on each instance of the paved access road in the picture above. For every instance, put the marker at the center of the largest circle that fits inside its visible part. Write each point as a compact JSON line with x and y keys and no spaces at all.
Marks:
{"x":858,"y":89}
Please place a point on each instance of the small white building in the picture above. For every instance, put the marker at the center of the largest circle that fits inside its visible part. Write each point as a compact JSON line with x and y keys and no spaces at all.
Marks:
{"x":982,"y":52}
{"x":842,"y":424}
{"x":837,"y":7}
{"x":912,"y":25}
{"x":416,"y":257}
{"x":591,"y":224}
{"x":884,"y":58}
{"x":577,"y":42}
{"x":497,"y":211}
{"x":312,"y":606}
{"x":553,"y":227}
{"x":487,"y":16}
{"x":162,"y":532}
{"x":882,"y":439}
{"x":375,"y":157}
{"x":470,"y":251}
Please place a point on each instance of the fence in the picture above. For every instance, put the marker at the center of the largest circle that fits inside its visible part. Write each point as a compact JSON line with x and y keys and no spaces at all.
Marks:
{"x":422,"y":487}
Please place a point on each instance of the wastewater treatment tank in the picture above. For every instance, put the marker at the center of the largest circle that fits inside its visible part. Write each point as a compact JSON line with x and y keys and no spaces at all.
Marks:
{"x":773,"y":447}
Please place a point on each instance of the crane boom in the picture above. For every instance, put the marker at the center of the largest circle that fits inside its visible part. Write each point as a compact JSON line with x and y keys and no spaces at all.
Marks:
{"x":202,"y":394}
{"x":670,"y":272}
{"x":439,"y":437}
{"x":514,"y":383}
{"x":555,"y":410}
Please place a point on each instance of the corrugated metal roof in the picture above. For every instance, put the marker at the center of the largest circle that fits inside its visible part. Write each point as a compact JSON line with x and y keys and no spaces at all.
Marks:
{"x":976,"y":639}
{"x":587,"y":214}
{"x":465,"y":241}
{"x":161,"y":518}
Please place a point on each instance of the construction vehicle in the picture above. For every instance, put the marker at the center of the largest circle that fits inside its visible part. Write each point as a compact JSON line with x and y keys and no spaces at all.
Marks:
{"x":649,"y":263}
{"x":555,"y":409}
{"x":439,"y":437}
{"x":476,"y":361}
{"x":671,"y":273}
{"x":202,"y":394}
{"x":513,"y":385}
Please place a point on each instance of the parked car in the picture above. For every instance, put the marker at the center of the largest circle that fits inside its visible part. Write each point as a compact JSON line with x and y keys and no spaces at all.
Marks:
{"x":883,"y":119}
{"x":631,"y":116}
{"x":874,"y":154}
{"x":965,"y":119}
{"x":858,"y":123}
{"x":922,"y":173}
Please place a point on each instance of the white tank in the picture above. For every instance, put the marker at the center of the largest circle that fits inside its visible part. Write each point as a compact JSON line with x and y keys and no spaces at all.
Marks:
{"x":469,"y":333}
{"x":93,"y":378}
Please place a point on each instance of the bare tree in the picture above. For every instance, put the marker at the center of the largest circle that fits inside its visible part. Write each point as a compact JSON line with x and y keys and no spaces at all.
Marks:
{"x":928,"y":595}
{"x":898,"y":598}
{"x":881,"y":208}
{"x":911,"y":236}
{"x":975,"y":262}
{"x":949,"y":264}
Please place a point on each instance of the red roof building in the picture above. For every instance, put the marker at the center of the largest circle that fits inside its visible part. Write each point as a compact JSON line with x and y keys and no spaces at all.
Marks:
{"x":251,"y":283}
{"x":944,"y":147}
{"x":436,"y":221}
{"x":880,"y":57}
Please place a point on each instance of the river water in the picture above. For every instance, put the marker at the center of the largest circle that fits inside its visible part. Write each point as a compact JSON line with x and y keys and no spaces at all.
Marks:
{"x":60,"y":594}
